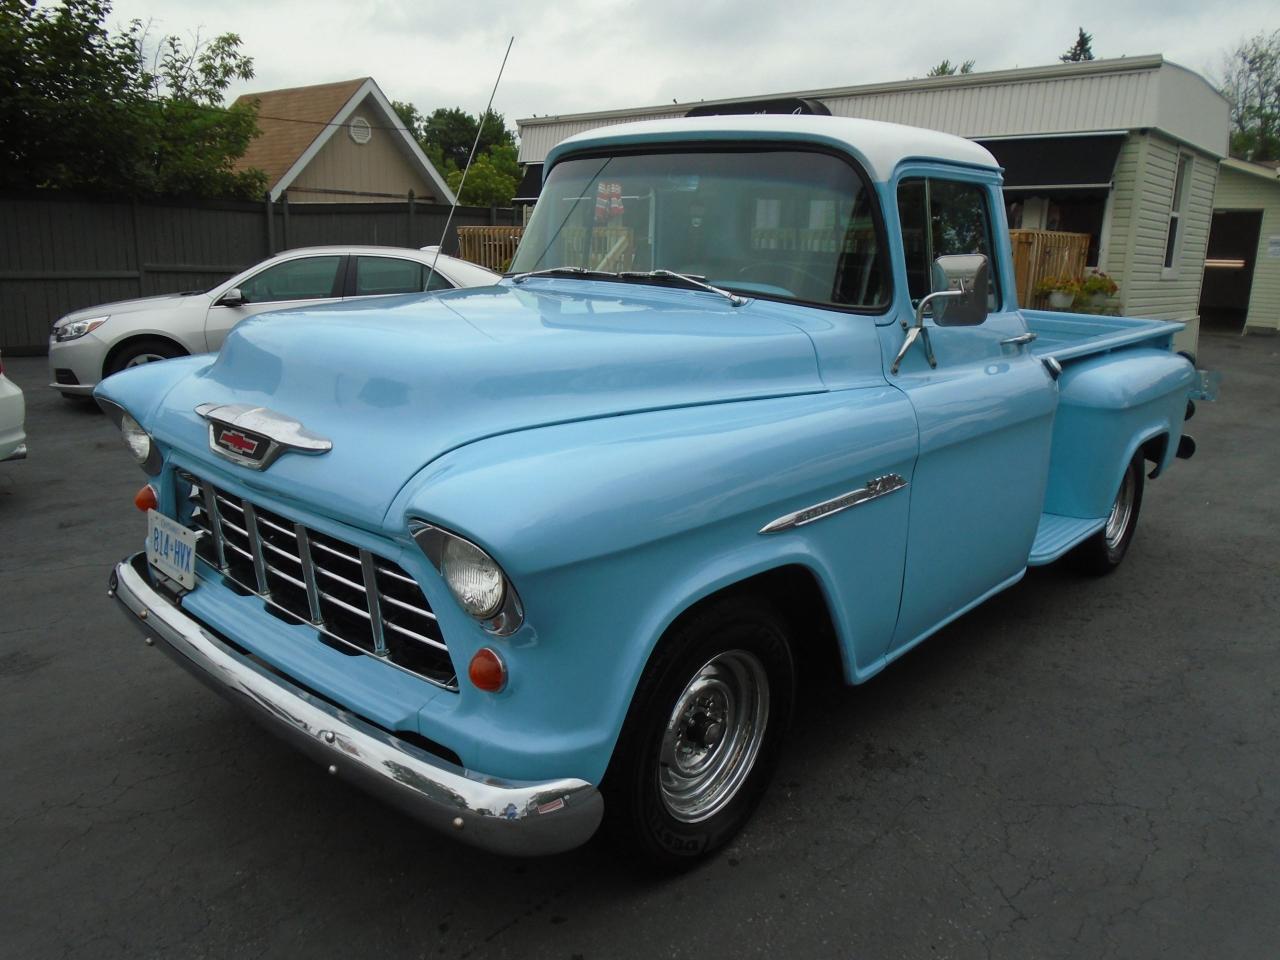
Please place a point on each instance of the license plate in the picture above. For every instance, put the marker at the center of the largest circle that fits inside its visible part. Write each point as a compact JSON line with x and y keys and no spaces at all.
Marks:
{"x":171,"y":549}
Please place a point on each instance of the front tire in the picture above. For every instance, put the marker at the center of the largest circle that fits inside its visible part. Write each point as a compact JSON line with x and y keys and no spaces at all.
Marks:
{"x":1103,"y":552}
{"x":703,"y":735}
{"x":139,"y":352}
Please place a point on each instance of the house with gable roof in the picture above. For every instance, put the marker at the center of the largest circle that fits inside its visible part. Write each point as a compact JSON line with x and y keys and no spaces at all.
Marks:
{"x":338,"y":142}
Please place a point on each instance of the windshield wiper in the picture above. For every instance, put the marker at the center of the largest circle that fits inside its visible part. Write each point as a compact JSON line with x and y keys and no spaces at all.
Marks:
{"x":696,"y":282}
{"x":582,"y":272}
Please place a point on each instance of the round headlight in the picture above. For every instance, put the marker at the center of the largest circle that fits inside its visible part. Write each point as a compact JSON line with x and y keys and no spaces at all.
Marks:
{"x":474,"y":578}
{"x":137,"y":439}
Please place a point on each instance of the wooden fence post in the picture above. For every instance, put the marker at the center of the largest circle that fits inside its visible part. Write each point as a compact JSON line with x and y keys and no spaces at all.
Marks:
{"x":271,"y":225}
{"x":412,"y":242}
{"x":284,"y":209}
{"x":137,"y":248}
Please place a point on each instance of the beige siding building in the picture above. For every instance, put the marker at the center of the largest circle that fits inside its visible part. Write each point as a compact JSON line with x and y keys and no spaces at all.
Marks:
{"x":1242,"y":274}
{"x":1125,"y":150}
{"x":338,"y":142}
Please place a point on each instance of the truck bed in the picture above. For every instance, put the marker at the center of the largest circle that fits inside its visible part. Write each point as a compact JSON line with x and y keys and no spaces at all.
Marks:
{"x":1069,"y":336}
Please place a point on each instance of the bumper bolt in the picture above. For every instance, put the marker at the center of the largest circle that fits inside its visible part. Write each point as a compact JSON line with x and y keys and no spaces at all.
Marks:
{"x":329,"y":736}
{"x":333,"y":769}
{"x":148,"y":641}
{"x":457,"y":823}
{"x":142,"y":614}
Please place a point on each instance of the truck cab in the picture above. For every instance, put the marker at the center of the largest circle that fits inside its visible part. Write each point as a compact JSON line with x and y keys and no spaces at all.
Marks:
{"x":525,"y":557}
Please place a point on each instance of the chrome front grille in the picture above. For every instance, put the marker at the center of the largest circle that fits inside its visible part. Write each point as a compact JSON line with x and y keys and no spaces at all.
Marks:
{"x":357,"y":601}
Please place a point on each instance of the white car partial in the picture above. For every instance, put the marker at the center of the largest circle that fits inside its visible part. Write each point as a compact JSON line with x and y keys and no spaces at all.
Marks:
{"x":13,"y":437}
{"x":87,"y":345}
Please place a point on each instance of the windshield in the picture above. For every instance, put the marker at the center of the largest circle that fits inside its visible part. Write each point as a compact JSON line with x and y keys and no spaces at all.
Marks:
{"x":783,"y":223}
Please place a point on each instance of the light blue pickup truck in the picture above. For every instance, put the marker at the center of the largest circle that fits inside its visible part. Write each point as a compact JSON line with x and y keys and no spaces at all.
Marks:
{"x":756,"y":399}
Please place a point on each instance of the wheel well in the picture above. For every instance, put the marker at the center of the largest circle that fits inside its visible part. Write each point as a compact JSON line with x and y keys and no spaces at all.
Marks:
{"x":128,"y":342}
{"x":796,"y":594}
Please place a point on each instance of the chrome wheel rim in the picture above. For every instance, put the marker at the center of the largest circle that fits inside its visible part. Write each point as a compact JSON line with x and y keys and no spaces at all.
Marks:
{"x":142,"y":358}
{"x":713,"y":736}
{"x":1121,"y":510}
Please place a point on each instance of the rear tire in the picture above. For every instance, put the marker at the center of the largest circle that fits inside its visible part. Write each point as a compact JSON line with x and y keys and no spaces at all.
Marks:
{"x":703,"y":735}
{"x":142,"y":351}
{"x":1103,"y":552}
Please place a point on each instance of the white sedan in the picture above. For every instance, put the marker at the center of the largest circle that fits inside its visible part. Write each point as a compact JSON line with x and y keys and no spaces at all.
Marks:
{"x":90,"y":344}
{"x":13,"y":440}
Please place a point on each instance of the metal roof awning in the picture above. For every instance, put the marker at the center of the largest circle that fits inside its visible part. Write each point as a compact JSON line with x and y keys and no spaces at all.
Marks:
{"x":1062,"y":164}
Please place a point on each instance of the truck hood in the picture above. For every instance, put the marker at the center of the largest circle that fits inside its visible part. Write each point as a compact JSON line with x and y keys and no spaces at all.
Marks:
{"x":396,"y":382}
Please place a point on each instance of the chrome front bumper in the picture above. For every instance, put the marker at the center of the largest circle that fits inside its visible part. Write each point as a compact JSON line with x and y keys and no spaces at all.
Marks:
{"x":19,"y":453}
{"x":519,"y":818}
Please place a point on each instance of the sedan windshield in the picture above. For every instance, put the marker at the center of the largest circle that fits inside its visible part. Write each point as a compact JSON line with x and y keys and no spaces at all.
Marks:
{"x":785,"y":223}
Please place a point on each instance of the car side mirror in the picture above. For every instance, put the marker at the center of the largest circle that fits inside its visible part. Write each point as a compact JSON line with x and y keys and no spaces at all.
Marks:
{"x":960,"y":284}
{"x":232,"y":298}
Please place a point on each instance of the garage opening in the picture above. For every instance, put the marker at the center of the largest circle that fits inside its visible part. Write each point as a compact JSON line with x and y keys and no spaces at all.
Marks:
{"x":1228,"y":269}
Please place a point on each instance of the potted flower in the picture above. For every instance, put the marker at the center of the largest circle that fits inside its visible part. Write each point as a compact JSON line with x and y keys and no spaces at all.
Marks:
{"x":1061,"y":291}
{"x":1098,"y":286}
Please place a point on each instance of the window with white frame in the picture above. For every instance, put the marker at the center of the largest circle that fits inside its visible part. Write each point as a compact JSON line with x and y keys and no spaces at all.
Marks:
{"x":1177,"y":209}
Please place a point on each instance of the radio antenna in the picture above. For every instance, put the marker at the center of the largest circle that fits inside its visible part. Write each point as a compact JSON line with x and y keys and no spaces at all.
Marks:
{"x":463,"y":182}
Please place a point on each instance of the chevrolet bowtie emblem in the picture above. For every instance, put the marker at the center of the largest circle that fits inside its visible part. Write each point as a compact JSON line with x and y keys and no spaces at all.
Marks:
{"x":255,"y":436}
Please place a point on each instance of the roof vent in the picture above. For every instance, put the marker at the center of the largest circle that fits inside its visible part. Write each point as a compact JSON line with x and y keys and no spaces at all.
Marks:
{"x":359,"y":129}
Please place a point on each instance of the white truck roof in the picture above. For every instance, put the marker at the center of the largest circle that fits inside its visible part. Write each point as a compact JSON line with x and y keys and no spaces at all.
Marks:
{"x":880,"y":146}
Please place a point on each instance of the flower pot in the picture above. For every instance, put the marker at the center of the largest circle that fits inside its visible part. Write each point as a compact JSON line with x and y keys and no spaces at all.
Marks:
{"x":1097,"y":300}
{"x":1060,"y":299}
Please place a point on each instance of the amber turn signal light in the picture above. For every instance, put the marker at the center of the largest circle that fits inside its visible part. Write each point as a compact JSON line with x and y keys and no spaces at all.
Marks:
{"x":487,"y":671}
{"x":146,"y":499}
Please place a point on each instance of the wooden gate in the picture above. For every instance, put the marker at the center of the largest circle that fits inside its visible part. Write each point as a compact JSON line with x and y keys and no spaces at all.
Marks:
{"x":491,"y":247}
{"x":1038,"y":254}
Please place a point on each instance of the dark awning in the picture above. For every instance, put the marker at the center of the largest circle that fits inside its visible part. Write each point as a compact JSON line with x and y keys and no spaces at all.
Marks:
{"x":531,"y":184}
{"x":1057,"y":164}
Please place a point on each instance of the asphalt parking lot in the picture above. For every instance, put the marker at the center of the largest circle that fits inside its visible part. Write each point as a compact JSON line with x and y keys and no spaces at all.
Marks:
{"x":1079,"y":768}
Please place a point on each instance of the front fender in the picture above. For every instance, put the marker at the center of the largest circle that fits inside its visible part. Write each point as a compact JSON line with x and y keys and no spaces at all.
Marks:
{"x":610,"y":528}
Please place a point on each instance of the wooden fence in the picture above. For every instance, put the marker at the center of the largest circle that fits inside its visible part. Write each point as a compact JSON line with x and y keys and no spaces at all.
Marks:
{"x":60,"y":252}
{"x":1038,"y":254}
{"x":491,"y":247}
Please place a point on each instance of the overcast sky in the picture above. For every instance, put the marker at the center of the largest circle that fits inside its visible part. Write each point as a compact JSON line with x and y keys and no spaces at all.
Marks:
{"x":572,"y":55}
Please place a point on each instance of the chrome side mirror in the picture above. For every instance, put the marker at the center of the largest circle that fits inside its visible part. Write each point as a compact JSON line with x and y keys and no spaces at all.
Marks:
{"x":961,"y":284}
{"x":959,"y":300}
{"x":232,"y":298}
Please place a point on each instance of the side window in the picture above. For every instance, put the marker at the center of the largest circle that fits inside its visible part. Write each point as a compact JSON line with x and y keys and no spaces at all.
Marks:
{"x":436,"y":280}
{"x":940,"y":218}
{"x":310,"y":278}
{"x":382,"y":275}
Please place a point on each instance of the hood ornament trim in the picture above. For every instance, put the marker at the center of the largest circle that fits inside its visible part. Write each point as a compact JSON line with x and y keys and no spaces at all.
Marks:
{"x":255,"y":437}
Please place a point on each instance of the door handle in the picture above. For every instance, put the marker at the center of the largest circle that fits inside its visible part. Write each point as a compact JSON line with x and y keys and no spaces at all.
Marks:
{"x":1019,"y":341}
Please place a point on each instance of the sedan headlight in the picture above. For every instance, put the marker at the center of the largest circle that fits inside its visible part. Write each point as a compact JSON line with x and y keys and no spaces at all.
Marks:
{"x":473,"y":577}
{"x":65,"y":330}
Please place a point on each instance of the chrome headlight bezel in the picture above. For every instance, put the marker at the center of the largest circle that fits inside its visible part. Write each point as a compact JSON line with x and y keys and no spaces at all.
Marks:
{"x":66,"y":329}
{"x":442,"y":547}
{"x":153,"y":460}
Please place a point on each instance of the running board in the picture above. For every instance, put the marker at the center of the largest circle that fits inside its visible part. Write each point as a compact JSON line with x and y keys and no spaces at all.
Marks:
{"x":1056,"y":535}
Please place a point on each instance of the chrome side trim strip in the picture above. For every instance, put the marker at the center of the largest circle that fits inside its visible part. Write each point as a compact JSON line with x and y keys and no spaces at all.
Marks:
{"x":879,"y":487}
{"x":512,"y":817}
{"x":371,"y":598}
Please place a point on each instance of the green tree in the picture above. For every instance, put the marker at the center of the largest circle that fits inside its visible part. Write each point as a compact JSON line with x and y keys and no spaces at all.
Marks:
{"x":1082,"y":49}
{"x":446,"y":136}
{"x":948,"y":69}
{"x":83,"y":109}
{"x":1250,"y":80}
